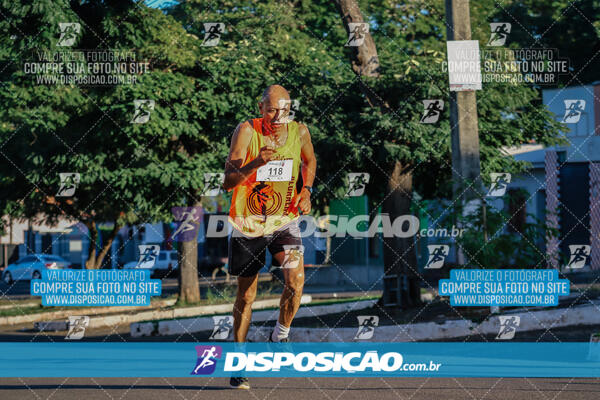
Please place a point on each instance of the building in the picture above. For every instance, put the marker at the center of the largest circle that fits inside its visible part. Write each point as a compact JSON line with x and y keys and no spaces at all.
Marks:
{"x":70,"y":240}
{"x":27,"y":236}
{"x":563,"y":181}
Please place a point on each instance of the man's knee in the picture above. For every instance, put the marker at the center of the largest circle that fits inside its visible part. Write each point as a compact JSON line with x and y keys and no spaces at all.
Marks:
{"x":246,"y":296}
{"x":295,"y":285}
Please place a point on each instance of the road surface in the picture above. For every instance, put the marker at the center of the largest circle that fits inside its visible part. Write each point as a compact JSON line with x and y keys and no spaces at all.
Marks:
{"x":301,"y":388}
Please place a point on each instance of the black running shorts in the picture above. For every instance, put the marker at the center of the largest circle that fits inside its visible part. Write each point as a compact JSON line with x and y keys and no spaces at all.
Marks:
{"x":247,"y":255}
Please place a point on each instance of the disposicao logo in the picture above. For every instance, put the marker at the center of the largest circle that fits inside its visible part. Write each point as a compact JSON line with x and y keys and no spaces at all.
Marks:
{"x":319,"y":362}
{"x":207,"y":359}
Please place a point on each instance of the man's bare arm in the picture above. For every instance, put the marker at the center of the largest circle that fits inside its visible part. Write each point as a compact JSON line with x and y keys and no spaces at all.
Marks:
{"x":309,"y":168}
{"x":234,"y":172}
{"x":308,"y":157}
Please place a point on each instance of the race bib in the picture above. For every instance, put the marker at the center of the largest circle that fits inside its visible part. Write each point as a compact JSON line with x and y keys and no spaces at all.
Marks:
{"x":275,"y":171}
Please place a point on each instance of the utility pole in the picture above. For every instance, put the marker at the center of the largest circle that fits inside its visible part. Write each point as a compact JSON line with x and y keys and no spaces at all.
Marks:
{"x":465,"y":132}
{"x":463,"y":111}
{"x":463,"y":119}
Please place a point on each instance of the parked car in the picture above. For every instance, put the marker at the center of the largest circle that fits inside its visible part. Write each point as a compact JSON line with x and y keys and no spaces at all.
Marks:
{"x":31,"y":267}
{"x":166,"y":264}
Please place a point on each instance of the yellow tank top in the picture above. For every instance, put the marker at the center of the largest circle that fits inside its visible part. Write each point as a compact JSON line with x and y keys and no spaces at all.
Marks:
{"x":261,"y":208}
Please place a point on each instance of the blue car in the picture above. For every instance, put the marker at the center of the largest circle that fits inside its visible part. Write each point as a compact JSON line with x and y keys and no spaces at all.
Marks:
{"x":31,"y":267}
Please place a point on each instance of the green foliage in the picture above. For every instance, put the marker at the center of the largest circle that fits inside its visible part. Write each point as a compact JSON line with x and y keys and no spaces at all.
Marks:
{"x":301,"y":47}
{"x":137,"y":172}
{"x":487,"y":241}
{"x":129,"y":172}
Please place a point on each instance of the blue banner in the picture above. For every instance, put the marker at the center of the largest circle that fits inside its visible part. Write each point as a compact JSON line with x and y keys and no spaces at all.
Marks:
{"x":504,"y":287}
{"x":127,"y":287}
{"x":220,"y":359}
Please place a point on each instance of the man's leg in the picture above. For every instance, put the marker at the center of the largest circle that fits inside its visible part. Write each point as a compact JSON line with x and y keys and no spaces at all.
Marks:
{"x":246,"y":258}
{"x":242,"y":309}
{"x":290,"y":298}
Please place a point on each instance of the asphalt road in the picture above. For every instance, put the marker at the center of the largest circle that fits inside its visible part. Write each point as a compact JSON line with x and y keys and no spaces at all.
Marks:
{"x":120,"y":333}
{"x":301,"y":388}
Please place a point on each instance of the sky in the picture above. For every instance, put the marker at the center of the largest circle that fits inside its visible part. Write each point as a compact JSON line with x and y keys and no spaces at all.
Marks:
{"x":159,"y":3}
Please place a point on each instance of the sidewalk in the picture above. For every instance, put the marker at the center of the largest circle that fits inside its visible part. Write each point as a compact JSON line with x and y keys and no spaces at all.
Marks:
{"x":194,"y":325}
{"x":52,"y":315}
{"x":156,"y":316}
{"x":540,"y":319}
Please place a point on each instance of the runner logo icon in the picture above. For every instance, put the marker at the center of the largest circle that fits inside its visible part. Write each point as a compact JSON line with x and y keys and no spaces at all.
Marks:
{"x":68,"y":184}
{"x":212,"y":33}
{"x":142,"y":111}
{"x":292,"y":107}
{"x":437,"y":255}
{"x":207,"y":359}
{"x":222,"y":327}
{"x":188,"y":223}
{"x":357,"y":33}
{"x":366,"y":326}
{"x":579,"y":255}
{"x":68,"y":33}
{"x":508,"y":326}
{"x":573,"y":111}
{"x":499,"y":34}
{"x":357,"y":182}
{"x":148,"y":254}
{"x":500,"y":181}
{"x":212,"y":183}
{"x":77,"y":325}
{"x":291,"y":255}
{"x":432,"y":111}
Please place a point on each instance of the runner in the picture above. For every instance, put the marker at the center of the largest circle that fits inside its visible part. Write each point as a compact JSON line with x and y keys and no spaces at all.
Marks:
{"x":263,"y":169}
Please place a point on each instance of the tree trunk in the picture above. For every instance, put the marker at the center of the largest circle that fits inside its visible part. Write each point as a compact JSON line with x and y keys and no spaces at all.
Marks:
{"x":364,"y":58}
{"x":107,"y":246}
{"x":399,"y":253}
{"x":189,"y":291}
{"x":93,"y":236}
{"x":95,"y":261}
{"x":400,"y":256}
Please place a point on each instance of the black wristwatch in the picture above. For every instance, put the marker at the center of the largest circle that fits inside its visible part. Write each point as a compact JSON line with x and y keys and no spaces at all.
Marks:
{"x":309,"y":188}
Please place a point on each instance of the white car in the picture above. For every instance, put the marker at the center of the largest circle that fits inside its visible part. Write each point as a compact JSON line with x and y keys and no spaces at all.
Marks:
{"x":31,"y":267}
{"x":164,"y":265}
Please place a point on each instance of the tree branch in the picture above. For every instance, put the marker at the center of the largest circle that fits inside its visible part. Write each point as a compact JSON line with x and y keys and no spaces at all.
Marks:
{"x":363,"y":58}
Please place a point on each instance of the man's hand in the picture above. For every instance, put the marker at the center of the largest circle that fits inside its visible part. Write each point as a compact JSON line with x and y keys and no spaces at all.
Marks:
{"x":302,"y":199}
{"x":264,"y":155}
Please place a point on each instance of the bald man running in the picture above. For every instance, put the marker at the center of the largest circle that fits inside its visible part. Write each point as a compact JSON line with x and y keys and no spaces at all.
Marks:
{"x":262,"y":169}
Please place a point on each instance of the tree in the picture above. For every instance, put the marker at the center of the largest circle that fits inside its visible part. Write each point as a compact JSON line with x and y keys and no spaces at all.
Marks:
{"x":129,"y":172}
{"x":369,"y":124}
{"x":400,"y":257}
{"x":418,"y":30}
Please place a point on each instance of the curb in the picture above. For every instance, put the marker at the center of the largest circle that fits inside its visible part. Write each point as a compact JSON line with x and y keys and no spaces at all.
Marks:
{"x":45,"y":316}
{"x":156,"y":315}
{"x":193,"y":325}
{"x":20,"y":304}
{"x":530,"y":321}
